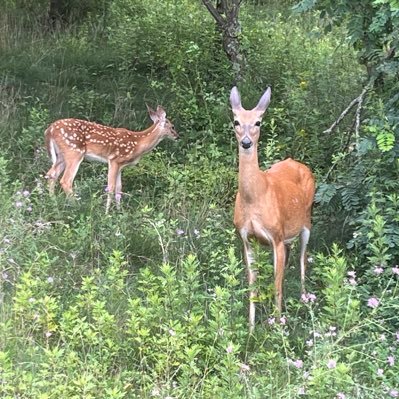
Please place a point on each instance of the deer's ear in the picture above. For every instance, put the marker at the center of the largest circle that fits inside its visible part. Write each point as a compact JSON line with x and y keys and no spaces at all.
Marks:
{"x":235,"y":99}
{"x":264,"y":101}
{"x":153,"y":114}
{"x":161,"y":113}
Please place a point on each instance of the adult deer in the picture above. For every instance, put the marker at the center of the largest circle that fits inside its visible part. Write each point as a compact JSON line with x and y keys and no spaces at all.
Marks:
{"x":69,"y":141}
{"x":272,"y":206}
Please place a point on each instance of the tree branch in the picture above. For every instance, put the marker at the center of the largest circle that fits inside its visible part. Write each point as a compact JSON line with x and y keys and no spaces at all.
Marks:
{"x":224,"y":5}
{"x":359,"y":101}
{"x":215,"y":14}
{"x":358,"y":112}
{"x":342,"y":116}
{"x":234,"y":9}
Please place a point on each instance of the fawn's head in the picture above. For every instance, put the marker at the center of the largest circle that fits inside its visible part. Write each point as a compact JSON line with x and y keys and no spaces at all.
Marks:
{"x":247,"y":122}
{"x":165,"y":125}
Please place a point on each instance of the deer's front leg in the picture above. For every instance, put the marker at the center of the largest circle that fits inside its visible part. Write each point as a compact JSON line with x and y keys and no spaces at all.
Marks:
{"x":252,"y":275}
{"x":113,"y":170}
{"x":118,"y":189}
{"x":279,"y":266}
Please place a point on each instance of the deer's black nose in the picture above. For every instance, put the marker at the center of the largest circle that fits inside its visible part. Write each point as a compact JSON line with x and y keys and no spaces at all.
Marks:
{"x":246,"y":142}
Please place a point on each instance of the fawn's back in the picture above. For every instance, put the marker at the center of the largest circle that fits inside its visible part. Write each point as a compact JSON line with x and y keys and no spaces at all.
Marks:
{"x":91,"y":139}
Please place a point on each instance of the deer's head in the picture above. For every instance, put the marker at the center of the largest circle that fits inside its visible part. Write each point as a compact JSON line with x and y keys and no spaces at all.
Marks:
{"x":247,"y":122}
{"x":165,"y":125}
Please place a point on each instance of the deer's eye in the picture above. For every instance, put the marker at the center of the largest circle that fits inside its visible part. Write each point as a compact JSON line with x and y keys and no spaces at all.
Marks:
{"x":257,"y":123}
{"x":236,"y":123}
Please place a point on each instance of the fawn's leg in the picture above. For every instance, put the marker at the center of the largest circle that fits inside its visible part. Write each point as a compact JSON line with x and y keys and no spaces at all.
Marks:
{"x":72,"y":164}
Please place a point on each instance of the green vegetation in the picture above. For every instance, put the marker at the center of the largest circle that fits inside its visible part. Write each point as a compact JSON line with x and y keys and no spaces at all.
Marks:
{"x":150,"y":301}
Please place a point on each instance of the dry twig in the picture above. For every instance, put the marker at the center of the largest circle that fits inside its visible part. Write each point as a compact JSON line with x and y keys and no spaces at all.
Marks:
{"x":359,"y":101}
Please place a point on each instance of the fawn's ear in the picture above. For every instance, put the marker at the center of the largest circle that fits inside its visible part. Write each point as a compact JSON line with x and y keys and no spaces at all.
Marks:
{"x":161,"y":113}
{"x":235,"y":99}
{"x":153,"y":114}
{"x":264,"y":101}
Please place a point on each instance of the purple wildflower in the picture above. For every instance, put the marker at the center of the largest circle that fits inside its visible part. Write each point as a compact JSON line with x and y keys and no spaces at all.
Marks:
{"x":378,"y":270}
{"x":298,"y":363}
{"x":244,"y":368}
{"x":331,"y":332}
{"x":391,"y":360}
{"x":331,"y":364}
{"x":308,"y":297}
{"x":393,"y":393}
{"x":301,"y":391}
{"x":373,"y":302}
{"x":395,"y":270}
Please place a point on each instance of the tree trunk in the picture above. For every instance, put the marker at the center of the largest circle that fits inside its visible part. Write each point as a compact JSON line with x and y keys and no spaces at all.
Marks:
{"x":225,"y":14}
{"x":57,"y":13}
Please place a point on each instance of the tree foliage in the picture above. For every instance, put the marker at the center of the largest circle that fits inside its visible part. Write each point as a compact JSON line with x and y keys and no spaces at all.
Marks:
{"x":372,"y":25}
{"x":369,"y":162}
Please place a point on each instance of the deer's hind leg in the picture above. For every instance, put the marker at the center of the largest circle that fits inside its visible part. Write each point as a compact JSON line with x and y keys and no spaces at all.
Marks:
{"x":57,"y":167}
{"x":72,"y":164}
{"x":54,"y":173}
{"x":304,"y":239}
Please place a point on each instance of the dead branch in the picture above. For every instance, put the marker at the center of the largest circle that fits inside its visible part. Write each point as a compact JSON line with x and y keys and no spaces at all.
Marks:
{"x":359,"y":110}
{"x":359,"y":101}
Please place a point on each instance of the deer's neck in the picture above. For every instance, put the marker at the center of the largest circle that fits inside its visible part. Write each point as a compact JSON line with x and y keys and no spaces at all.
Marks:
{"x":150,"y":137}
{"x":147,"y":132}
{"x":249,"y":184}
